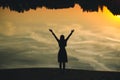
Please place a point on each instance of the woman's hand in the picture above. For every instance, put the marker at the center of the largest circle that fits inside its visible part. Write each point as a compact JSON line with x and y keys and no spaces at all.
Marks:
{"x":72,"y":30}
{"x":50,"y":30}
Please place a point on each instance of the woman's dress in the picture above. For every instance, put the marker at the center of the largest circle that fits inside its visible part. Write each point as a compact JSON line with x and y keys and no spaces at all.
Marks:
{"x":62,"y":54}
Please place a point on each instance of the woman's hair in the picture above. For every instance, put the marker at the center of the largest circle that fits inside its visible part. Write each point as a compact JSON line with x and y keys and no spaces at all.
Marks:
{"x":62,"y":37}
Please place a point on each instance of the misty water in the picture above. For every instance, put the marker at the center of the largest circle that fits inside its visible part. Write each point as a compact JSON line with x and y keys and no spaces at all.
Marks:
{"x":25,"y":40}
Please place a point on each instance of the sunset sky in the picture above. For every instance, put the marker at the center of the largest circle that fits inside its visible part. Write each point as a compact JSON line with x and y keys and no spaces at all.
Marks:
{"x":26,"y":42}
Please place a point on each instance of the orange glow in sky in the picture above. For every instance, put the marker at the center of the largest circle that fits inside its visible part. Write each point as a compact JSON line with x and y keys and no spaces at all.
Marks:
{"x":61,"y":17}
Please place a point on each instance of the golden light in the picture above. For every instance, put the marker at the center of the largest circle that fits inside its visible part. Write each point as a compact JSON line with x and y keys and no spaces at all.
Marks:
{"x":112,"y":18}
{"x":118,"y":16}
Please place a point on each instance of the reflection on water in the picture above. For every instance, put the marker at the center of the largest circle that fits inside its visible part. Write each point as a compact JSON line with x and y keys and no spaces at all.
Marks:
{"x":26,"y":42}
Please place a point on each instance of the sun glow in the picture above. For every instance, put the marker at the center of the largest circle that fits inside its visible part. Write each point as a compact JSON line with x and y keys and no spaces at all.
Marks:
{"x":118,"y":16}
{"x":110,"y":16}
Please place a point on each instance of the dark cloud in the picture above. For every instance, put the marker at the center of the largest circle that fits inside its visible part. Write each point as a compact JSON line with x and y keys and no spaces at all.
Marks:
{"x":86,"y":5}
{"x":18,"y":52}
{"x":13,"y":57}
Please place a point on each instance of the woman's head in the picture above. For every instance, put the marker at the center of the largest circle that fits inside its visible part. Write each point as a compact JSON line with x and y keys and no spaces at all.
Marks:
{"x":62,"y":37}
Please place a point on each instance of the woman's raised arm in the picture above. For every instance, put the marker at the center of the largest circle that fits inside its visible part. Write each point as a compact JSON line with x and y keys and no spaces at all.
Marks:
{"x":70,"y":34}
{"x":54,"y":34}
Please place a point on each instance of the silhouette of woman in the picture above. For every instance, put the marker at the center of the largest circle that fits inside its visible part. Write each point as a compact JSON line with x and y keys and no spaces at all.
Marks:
{"x":62,"y":54}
